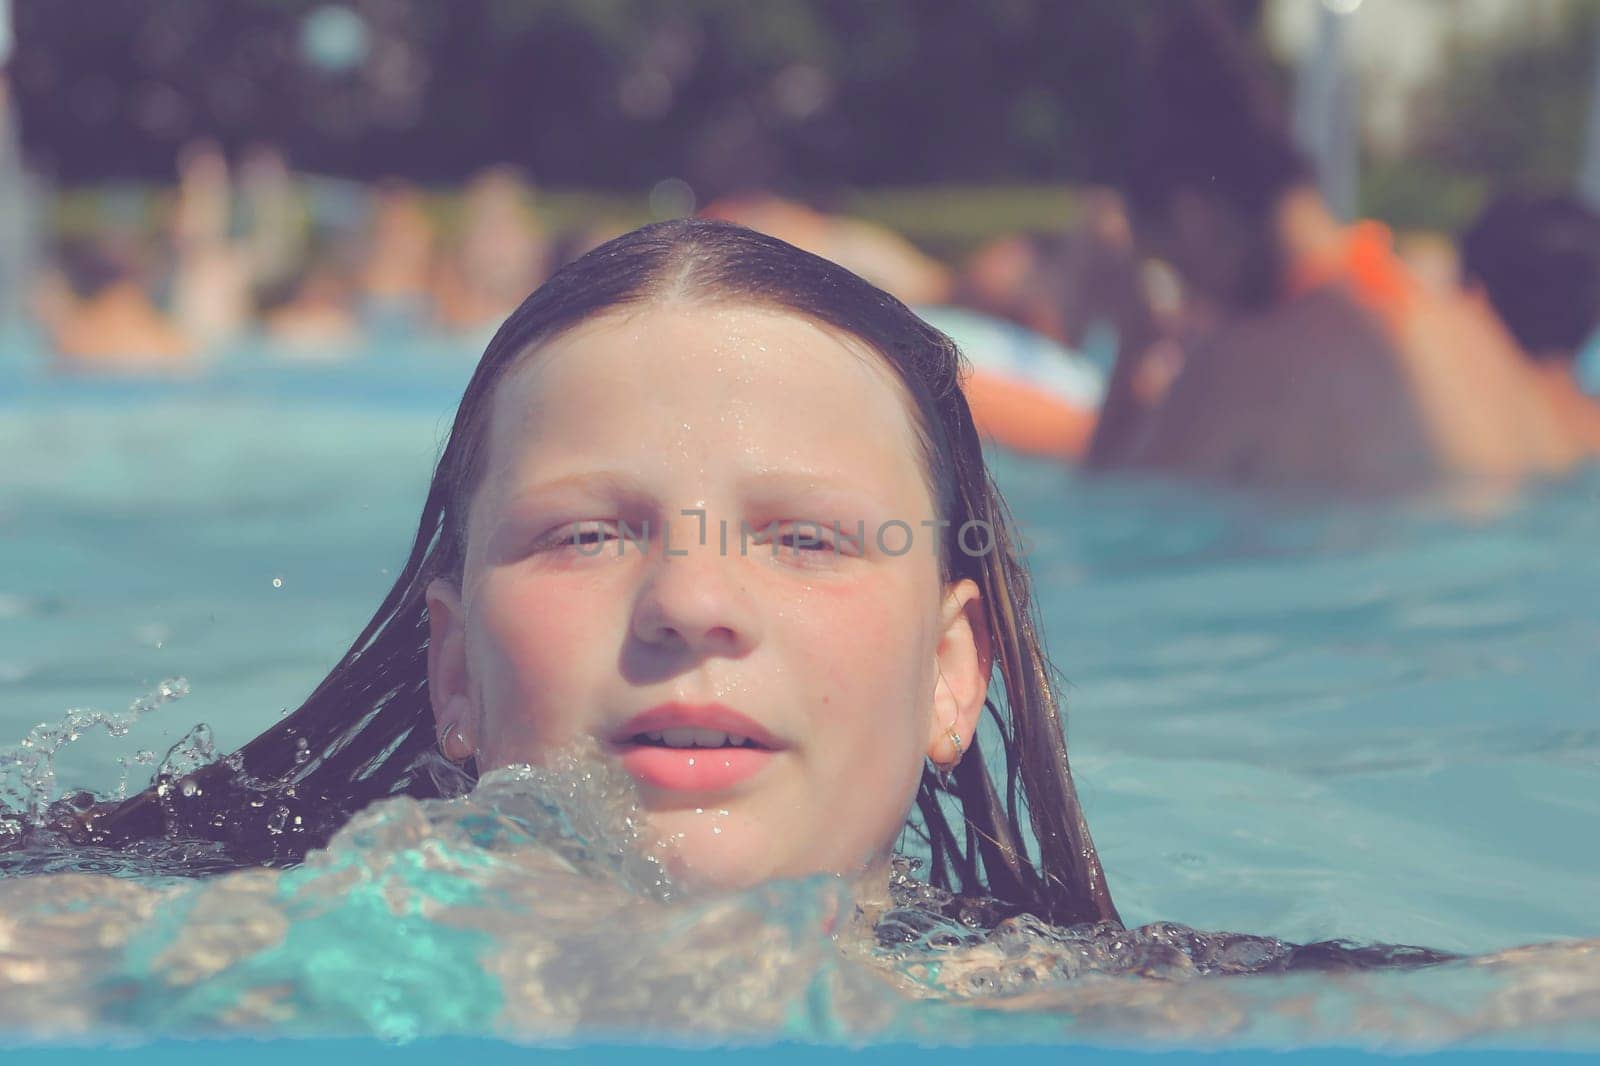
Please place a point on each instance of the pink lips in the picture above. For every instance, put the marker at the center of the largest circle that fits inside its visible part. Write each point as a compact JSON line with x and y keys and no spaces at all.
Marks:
{"x":693,"y":769}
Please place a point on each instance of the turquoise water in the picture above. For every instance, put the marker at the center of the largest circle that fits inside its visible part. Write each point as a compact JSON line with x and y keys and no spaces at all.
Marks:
{"x":1376,"y":724}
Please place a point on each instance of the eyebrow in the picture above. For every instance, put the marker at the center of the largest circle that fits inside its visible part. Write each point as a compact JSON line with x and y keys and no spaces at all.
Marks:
{"x":820,"y":486}
{"x":611,"y":481}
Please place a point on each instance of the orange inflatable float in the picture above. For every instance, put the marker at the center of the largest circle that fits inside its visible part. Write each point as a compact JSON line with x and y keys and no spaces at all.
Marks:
{"x":1027,"y":393}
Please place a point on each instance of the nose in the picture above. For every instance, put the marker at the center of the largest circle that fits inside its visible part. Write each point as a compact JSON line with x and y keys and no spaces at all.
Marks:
{"x":695,"y":602}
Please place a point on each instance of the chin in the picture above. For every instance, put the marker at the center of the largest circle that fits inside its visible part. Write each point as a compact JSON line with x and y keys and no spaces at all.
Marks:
{"x":714,"y":851}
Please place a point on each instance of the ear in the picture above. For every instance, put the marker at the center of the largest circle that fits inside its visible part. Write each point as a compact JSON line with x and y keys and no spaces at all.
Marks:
{"x":448,"y":683}
{"x":963,"y":658}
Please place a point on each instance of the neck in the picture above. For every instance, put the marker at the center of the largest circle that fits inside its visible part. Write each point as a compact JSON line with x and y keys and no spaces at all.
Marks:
{"x":119,"y":296}
{"x":1554,"y":369}
{"x":869,"y":887}
{"x":868,"y":890}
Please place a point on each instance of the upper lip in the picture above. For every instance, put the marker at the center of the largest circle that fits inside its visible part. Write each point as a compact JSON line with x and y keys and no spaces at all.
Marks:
{"x":675,"y":715}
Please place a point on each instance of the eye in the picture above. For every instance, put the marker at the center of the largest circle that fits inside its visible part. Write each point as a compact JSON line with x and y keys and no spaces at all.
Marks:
{"x":588,"y":536}
{"x":809,"y":541}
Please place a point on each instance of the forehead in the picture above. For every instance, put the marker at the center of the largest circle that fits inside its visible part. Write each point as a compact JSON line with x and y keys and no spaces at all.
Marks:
{"x":686,"y":390}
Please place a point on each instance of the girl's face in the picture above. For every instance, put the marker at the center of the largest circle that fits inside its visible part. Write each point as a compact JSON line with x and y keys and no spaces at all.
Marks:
{"x":621,"y":583}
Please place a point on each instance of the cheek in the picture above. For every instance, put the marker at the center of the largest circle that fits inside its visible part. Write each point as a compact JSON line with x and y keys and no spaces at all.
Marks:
{"x":532,"y":648}
{"x":868,"y":648}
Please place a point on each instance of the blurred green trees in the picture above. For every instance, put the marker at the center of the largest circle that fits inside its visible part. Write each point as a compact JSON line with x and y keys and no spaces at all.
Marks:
{"x":604,"y":93}
{"x":1507,"y":109}
{"x":810,"y":97}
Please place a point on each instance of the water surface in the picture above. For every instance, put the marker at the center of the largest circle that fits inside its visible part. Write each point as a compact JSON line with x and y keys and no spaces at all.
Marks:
{"x":1376,"y":724}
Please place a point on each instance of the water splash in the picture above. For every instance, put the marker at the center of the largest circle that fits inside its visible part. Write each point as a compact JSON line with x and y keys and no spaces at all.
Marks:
{"x":1002,"y":953}
{"x":538,"y":906}
{"x":584,"y":808}
{"x":140,"y":757}
{"x":28,"y":768}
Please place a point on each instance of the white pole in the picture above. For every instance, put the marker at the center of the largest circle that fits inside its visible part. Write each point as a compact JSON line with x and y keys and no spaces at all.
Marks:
{"x":1324,"y":109}
{"x":1589,"y":173}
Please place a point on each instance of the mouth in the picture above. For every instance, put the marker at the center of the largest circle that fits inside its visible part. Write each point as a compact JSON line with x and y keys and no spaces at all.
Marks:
{"x":694,"y":725}
{"x":684,"y":739}
{"x":686,"y":748}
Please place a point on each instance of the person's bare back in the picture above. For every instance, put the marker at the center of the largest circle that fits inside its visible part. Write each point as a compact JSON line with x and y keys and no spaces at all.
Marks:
{"x":1319,"y":392}
{"x":1303,"y":396}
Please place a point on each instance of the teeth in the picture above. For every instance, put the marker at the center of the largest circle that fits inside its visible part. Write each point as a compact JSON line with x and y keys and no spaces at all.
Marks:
{"x":695,"y":738}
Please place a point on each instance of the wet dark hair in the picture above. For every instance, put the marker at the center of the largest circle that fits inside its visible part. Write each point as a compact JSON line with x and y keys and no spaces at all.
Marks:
{"x":1204,"y":117}
{"x":90,"y":267}
{"x":367,"y":731}
{"x":1537,"y":256}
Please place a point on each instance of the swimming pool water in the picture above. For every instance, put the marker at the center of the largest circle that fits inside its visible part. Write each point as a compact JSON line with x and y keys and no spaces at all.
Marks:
{"x":1373,"y":723}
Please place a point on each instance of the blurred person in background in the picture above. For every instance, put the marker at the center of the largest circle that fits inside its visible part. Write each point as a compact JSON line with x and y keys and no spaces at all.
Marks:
{"x":1322,"y":364}
{"x":499,"y":255}
{"x":1054,"y":307}
{"x":398,"y":260}
{"x":97,"y":313}
{"x":311,"y":314}
{"x":874,"y":252}
{"x":1102,"y":292}
{"x":1072,"y":287}
{"x":1007,"y":277}
{"x":1432,"y":258}
{"x":211,"y":283}
{"x":277,"y":226}
{"x":1535,"y":260}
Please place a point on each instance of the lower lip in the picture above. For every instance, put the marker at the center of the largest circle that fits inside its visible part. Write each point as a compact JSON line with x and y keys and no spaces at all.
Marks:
{"x":694,"y":769}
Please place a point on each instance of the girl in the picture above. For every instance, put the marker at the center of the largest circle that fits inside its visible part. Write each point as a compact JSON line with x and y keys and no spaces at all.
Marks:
{"x":718,"y":505}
